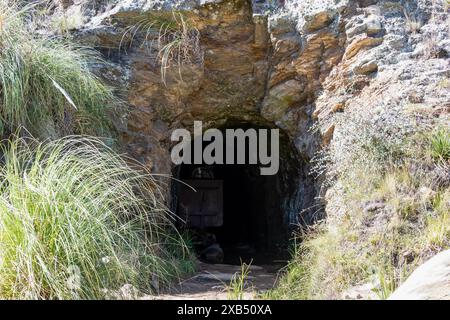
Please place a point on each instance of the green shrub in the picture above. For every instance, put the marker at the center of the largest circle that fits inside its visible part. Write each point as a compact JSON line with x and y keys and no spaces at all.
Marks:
{"x":45,"y":83}
{"x":77,"y":222}
{"x":440,"y":144}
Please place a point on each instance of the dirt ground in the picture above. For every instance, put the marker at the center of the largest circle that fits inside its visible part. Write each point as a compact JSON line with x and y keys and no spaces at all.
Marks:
{"x":211,"y":280}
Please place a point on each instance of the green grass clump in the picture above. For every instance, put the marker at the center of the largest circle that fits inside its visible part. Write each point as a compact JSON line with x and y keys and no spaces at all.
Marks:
{"x":440,"y":144}
{"x":236,"y":288}
{"x":77,"y":222}
{"x":46,"y":85}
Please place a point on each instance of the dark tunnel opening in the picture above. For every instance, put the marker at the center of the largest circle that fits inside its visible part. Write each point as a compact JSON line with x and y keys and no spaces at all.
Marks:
{"x":247,"y":215}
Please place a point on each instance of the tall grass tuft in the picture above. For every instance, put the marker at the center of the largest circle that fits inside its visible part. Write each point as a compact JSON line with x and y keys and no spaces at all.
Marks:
{"x":45,"y":82}
{"x":77,"y":222}
{"x":237,"y":286}
{"x":173,"y":37}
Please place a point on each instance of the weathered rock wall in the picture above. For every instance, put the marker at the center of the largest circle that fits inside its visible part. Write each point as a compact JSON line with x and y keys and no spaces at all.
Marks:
{"x":302,"y":66}
{"x":229,"y":80}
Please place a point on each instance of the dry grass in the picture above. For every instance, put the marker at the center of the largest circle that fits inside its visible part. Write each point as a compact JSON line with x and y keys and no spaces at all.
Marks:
{"x":393,"y":191}
{"x":413,"y":25}
{"x":173,"y":37}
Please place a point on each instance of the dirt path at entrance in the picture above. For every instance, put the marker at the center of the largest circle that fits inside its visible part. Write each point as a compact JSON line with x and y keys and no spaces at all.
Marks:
{"x":211,"y":281}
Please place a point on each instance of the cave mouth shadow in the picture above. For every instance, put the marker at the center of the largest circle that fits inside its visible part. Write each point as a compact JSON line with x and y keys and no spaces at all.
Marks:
{"x":249,"y":215}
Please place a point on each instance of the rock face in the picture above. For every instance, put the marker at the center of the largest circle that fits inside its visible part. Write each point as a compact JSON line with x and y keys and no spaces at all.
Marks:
{"x":229,"y":76}
{"x":222,"y":81}
{"x":431,"y":281}
{"x":298,"y":65}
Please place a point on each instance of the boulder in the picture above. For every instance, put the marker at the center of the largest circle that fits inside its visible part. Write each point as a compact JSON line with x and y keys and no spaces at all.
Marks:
{"x":361,"y":43}
{"x":318,"y":21}
{"x":366,"y":68}
{"x":431,"y":281}
{"x":281,"y":97}
{"x":213,"y":254}
{"x":373,"y":24}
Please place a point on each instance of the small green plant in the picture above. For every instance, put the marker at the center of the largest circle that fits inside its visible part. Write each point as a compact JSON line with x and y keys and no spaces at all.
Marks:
{"x":77,"y":222}
{"x":177,"y":42}
{"x":237,"y":286}
{"x":438,"y":224}
{"x":387,"y":283}
{"x":440,"y":144}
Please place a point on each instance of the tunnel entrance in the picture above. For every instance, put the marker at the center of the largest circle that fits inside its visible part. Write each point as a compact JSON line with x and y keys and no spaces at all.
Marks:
{"x":248,"y":215}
